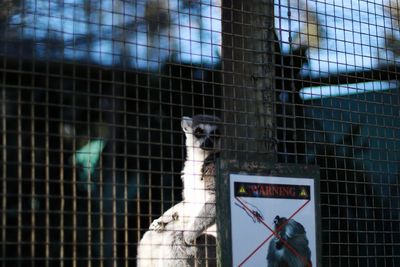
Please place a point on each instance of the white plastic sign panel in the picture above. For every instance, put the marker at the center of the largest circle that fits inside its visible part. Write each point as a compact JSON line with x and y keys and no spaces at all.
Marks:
{"x":273,"y":221}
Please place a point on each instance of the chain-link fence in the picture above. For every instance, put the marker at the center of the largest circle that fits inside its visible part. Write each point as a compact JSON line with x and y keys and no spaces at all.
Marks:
{"x":93,"y":93}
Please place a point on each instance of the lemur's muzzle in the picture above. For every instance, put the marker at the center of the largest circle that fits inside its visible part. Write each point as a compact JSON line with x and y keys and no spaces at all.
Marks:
{"x":208,"y":144}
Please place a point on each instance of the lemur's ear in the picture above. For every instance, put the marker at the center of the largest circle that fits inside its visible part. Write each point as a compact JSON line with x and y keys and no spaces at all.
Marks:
{"x":186,"y":124}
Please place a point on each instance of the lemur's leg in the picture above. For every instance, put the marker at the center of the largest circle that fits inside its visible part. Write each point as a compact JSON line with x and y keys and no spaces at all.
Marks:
{"x":172,"y":214}
{"x":200,"y":223}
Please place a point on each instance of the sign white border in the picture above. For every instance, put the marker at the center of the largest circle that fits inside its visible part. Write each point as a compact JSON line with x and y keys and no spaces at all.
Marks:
{"x":252,"y":218}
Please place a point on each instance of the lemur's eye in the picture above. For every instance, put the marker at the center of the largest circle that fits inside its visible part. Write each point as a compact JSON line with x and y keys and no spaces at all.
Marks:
{"x":199,"y":132}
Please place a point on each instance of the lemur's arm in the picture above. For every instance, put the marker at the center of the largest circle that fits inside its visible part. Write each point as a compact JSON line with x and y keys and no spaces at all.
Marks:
{"x":200,"y":223}
{"x":170,"y":215}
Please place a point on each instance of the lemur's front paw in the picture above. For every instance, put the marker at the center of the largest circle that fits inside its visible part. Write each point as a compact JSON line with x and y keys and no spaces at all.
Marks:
{"x":189,"y":237}
{"x":158,"y":225}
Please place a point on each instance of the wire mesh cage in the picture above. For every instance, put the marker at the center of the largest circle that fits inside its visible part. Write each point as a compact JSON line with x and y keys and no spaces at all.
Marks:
{"x":337,"y":107}
{"x":92,"y":97}
{"x":93,"y":94}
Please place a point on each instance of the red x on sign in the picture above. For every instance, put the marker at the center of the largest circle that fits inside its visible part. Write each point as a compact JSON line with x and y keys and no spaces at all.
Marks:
{"x":262,"y":201}
{"x":275,"y":233}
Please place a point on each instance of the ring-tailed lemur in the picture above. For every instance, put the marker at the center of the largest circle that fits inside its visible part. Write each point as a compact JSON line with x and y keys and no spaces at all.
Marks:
{"x":170,"y":240}
{"x":290,"y":247}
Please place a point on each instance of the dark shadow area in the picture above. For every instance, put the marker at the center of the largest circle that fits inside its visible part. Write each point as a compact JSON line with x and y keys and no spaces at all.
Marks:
{"x":90,"y":156}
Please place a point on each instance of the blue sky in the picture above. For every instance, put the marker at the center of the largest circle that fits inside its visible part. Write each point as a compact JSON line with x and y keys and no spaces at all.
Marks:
{"x":116,"y":30}
{"x":353,"y":34}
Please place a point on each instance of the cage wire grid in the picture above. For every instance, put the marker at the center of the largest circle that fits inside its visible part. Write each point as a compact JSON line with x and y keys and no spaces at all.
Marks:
{"x":346,"y":121}
{"x":92,"y":97}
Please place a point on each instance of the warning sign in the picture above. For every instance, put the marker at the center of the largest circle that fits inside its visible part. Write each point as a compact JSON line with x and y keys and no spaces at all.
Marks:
{"x":273,"y":221}
{"x":271,"y":190}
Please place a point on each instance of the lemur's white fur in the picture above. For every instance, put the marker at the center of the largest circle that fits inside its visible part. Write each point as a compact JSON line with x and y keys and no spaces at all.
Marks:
{"x":194,"y":191}
{"x":170,"y":239}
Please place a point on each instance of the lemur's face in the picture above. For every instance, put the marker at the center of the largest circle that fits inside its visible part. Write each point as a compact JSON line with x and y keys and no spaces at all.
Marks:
{"x":278,"y":221}
{"x":204,"y":131}
{"x":206,"y":136}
